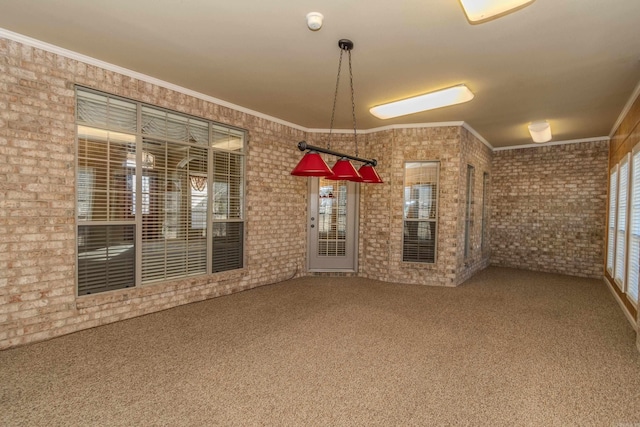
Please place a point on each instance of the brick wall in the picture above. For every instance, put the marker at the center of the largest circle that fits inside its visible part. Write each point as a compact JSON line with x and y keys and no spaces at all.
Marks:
{"x":382,"y":205}
{"x":478,"y":155}
{"x":549,"y":207}
{"x":37,"y":200}
{"x":375,"y":210}
{"x":415,"y":144}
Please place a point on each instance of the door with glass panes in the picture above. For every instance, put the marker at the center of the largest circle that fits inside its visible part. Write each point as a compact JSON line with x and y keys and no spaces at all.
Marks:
{"x":332,"y":225}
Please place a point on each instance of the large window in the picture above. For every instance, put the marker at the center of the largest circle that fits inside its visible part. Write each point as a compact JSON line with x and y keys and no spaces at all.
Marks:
{"x":160,"y":195}
{"x":633,"y":273}
{"x":420,"y":212}
{"x":623,"y":226}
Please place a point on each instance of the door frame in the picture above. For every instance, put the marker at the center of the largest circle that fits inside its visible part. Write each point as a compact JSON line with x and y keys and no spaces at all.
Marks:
{"x":353,"y":202}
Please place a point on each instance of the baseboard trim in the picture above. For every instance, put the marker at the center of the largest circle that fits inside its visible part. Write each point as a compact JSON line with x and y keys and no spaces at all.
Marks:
{"x":628,"y":315}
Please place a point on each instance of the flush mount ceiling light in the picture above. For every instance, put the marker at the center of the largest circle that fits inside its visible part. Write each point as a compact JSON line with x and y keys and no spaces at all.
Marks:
{"x":479,"y":11}
{"x":312,"y":163}
{"x":428,"y":101}
{"x":540,"y":131}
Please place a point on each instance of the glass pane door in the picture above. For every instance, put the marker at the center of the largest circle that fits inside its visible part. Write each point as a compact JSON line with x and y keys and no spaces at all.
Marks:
{"x":332,"y":225}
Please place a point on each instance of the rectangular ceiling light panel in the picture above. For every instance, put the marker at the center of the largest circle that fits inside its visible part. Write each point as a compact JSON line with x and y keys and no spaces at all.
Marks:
{"x":482,"y":10}
{"x":429,"y":101}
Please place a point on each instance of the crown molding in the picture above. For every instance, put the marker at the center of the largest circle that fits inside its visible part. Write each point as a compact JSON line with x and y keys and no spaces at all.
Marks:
{"x":148,"y":79}
{"x":139,"y":76}
{"x":477,"y":135}
{"x":389,"y":127}
{"x":462,"y":124}
{"x":38,"y":44}
{"x":547,"y":144}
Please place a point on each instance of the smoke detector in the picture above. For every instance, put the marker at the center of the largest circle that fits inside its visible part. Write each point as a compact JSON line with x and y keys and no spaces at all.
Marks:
{"x":314,"y":20}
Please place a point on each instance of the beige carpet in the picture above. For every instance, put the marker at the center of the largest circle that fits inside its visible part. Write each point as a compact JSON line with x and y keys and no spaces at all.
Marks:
{"x":509,"y":347}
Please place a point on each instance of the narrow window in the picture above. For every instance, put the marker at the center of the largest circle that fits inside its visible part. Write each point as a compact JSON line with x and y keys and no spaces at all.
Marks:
{"x":621,"y":224}
{"x":468,"y":217}
{"x":228,"y":199}
{"x":611,"y":229}
{"x":485,"y":180}
{"x":420,"y":211}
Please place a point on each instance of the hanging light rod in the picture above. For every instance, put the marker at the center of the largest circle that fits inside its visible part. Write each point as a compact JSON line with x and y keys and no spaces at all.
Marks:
{"x":312,"y":164}
{"x":302,"y":146}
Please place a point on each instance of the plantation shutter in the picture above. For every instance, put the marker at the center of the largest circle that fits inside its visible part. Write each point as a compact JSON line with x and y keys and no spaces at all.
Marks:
{"x":621,"y":223}
{"x":613,"y":193}
{"x":634,"y":231}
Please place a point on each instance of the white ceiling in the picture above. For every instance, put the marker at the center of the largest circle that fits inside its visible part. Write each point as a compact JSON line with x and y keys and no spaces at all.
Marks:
{"x":575,"y":63}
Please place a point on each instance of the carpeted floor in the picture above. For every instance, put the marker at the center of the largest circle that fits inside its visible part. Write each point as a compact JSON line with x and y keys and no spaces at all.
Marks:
{"x":507,"y":348}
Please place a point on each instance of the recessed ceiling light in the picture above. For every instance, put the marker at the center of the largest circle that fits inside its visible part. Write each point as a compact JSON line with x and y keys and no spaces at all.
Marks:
{"x":540,"y":131}
{"x":429,"y":101}
{"x":478,"y":11}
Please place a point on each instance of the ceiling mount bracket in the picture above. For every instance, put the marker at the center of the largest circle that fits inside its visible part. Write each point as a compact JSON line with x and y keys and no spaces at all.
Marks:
{"x":345,"y":44}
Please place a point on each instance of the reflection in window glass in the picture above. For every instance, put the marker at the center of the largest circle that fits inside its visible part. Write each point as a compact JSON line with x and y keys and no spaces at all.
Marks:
{"x":198,"y":202}
{"x":149,"y":171}
{"x":332,"y":218}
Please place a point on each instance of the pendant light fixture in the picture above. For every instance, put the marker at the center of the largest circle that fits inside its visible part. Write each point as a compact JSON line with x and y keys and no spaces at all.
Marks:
{"x":369,"y":174}
{"x":312,"y":163}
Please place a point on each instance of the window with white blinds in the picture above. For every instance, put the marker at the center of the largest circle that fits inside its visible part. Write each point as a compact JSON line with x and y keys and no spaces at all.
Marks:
{"x":611,"y":229}
{"x":420,"y":212}
{"x":621,"y":224}
{"x":633,"y":270}
{"x":228,"y":201}
{"x":160,"y":195}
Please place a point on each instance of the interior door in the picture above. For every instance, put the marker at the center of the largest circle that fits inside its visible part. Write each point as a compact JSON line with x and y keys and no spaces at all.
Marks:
{"x":332,"y":225}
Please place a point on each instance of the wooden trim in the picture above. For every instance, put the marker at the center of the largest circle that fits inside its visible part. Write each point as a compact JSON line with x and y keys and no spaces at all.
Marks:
{"x":621,"y":297}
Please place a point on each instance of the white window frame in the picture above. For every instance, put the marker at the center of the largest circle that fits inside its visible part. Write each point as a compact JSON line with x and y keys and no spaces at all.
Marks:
{"x":611,"y":226}
{"x":422,"y":221}
{"x":633,"y":243}
{"x":622,"y":216}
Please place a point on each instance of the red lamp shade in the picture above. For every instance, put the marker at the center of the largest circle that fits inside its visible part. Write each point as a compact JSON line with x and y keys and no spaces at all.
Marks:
{"x":312,"y":164}
{"x":344,"y":170}
{"x":369,"y":174}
